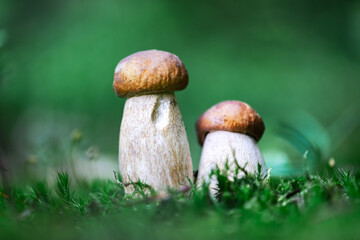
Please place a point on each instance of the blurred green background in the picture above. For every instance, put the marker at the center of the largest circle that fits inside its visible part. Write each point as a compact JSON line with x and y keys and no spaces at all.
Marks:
{"x":296,"y":62}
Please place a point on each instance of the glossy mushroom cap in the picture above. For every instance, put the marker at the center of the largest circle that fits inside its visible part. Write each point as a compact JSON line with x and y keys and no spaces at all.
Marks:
{"x":148,"y":72}
{"x":232,"y":116}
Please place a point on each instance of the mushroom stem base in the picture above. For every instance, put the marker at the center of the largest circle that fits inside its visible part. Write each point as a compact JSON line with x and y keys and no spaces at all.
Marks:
{"x":153,"y":145}
{"x":221,"y":147}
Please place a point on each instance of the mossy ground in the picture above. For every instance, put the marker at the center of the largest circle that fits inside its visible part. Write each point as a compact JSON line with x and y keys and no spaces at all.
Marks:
{"x":310,"y":206}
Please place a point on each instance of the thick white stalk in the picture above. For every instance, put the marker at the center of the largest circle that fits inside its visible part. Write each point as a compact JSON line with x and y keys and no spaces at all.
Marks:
{"x":153,"y":145}
{"x":221,"y":147}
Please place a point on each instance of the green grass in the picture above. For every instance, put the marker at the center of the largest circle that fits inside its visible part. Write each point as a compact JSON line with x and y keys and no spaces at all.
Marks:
{"x":311,"y":206}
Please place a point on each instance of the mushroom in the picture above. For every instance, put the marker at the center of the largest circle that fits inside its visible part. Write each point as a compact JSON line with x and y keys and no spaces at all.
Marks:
{"x":153,"y":146}
{"x":229,"y":132}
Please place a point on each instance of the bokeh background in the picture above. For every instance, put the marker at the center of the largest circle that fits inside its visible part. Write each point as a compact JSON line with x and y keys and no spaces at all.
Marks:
{"x":296,"y":62}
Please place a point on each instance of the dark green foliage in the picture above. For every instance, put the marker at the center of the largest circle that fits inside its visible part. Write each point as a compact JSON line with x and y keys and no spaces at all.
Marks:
{"x":63,"y":187}
{"x":64,"y":192}
{"x":350,"y":183}
{"x":282,"y":206}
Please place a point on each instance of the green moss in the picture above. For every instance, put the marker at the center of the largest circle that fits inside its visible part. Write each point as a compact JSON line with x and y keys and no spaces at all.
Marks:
{"x":322,"y":205}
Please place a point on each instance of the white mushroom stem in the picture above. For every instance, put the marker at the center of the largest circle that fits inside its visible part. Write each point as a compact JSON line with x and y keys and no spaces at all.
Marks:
{"x":153,"y":144}
{"x":221,"y":147}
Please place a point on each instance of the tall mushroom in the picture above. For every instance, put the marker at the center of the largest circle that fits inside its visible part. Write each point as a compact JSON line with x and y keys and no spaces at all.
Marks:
{"x":153,"y":145}
{"x":228,"y":132}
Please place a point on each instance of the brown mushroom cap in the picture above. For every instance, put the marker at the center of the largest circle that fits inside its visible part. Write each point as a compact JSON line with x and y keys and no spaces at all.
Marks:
{"x":151,"y":71}
{"x":232,"y":116}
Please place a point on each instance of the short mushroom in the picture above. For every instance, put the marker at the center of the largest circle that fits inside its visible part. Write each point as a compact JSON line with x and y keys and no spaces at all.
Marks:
{"x":229,"y":132}
{"x":153,"y":146}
